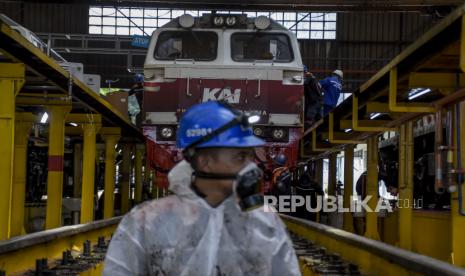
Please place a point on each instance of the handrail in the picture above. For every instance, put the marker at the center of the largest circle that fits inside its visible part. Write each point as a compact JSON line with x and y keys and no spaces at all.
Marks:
{"x":24,"y":241}
{"x":407,"y":259}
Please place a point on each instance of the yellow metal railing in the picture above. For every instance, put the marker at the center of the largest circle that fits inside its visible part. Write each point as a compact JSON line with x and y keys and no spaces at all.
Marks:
{"x":372,"y":257}
{"x":20,"y":253}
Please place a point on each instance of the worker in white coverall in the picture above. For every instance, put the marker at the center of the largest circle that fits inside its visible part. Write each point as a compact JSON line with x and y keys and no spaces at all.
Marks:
{"x":215,"y":223}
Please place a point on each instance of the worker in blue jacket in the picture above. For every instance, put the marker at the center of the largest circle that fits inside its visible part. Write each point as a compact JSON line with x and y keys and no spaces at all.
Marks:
{"x":332,"y":87}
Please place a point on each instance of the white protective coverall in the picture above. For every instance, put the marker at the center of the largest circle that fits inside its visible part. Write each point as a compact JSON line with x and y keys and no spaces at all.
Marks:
{"x":183,"y":235}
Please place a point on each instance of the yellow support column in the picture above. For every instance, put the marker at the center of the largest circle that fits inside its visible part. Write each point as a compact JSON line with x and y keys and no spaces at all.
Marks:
{"x":56,"y":148}
{"x":371,"y":230}
{"x":88,"y":171}
{"x":348,"y":186}
{"x":110,"y":169}
{"x":125,"y":178}
{"x":458,"y":219}
{"x":405,"y":185}
{"x":138,"y":173}
{"x":332,"y":174}
{"x":24,"y":122}
{"x":11,"y":81}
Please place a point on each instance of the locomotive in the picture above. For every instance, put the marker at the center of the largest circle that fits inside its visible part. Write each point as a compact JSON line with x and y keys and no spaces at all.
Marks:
{"x":254,"y":64}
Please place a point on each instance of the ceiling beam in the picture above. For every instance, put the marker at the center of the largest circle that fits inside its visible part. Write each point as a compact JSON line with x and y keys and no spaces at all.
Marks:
{"x":276,"y":5}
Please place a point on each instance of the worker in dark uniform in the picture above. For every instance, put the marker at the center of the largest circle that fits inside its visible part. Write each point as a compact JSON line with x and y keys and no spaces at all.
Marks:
{"x":310,"y":190}
{"x":332,"y":87}
{"x":215,"y":222}
{"x":313,"y":97}
{"x":137,"y":89}
{"x":361,"y":190}
{"x":281,"y":181}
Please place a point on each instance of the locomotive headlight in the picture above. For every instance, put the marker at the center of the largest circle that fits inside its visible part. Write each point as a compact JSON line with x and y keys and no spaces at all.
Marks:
{"x":258,"y":131}
{"x":218,"y":21}
{"x":230,"y":21}
{"x":278,"y":133}
{"x":167,"y":132}
{"x":186,"y":21}
{"x":297,"y":79}
{"x":253,"y":119}
{"x":262,"y":22}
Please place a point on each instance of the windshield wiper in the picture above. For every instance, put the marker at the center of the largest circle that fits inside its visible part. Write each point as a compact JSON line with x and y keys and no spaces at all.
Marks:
{"x":184,"y":60}
{"x":263,"y":61}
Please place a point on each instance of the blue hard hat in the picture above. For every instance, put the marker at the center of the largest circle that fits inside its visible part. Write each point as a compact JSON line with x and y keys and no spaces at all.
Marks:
{"x":305,"y":69}
{"x":214,"y":124}
{"x":138,"y":78}
{"x":280,"y":159}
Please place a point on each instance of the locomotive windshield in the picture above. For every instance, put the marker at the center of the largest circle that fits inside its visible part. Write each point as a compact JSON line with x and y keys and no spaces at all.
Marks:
{"x":247,"y":47}
{"x":201,"y":46}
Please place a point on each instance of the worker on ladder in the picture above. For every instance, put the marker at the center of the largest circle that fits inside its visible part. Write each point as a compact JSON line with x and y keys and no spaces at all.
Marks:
{"x":313,"y":93}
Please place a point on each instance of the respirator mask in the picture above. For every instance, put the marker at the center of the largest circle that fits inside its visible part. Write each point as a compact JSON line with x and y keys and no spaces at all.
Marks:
{"x":247,"y":187}
{"x":247,"y":183}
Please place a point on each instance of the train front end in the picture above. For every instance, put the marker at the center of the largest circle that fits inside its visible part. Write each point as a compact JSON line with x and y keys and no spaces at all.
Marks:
{"x":254,"y":64}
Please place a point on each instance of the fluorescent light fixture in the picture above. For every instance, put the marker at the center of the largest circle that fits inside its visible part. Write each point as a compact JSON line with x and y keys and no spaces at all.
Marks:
{"x":253,"y":119}
{"x":417,"y":92}
{"x":73,"y":124}
{"x":374,"y":115}
{"x":347,"y":130}
{"x":44,"y":118}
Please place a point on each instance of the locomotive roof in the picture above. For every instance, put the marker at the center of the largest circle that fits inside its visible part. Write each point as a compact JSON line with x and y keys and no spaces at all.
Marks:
{"x":205,"y":19}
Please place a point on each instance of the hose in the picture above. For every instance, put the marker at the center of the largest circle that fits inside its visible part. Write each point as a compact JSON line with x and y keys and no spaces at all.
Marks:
{"x":459,"y":161}
{"x":458,"y":148}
